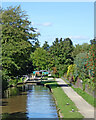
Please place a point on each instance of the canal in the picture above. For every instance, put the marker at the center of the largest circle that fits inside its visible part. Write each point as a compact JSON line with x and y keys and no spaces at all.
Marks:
{"x":28,"y":101}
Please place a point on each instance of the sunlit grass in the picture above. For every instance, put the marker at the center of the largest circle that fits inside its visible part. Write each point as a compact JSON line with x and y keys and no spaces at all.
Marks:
{"x":90,"y":99}
{"x":62,"y":100}
{"x":87,"y":97}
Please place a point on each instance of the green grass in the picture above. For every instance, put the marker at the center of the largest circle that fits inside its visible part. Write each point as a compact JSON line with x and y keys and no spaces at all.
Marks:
{"x":62,"y":99}
{"x":90,"y":99}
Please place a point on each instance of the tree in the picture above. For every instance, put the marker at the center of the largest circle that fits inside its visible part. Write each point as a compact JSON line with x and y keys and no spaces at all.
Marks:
{"x":61,"y":51}
{"x":80,"y":69}
{"x":36,"y":45}
{"x":80,"y":49}
{"x":15,"y":26}
{"x":91,"y":63}
{"x":46,"y":46}
{"x":40,"y":59}
{"x":85,"y":64}
{"x":16,"y":47}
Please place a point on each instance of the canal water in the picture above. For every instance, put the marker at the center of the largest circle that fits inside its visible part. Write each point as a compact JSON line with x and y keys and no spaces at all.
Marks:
{"x":28,"y":101}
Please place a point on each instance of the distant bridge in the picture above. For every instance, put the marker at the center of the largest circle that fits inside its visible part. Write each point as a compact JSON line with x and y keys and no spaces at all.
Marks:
{"x":33,"y":79}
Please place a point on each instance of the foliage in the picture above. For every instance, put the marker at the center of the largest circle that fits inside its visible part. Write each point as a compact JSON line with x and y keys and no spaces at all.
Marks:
{"x":80,"y":49}
{"x":35,"y":45}
{"x":55,"y":72}
{"x":61,"y":51}
{"x":50,"y":61}
{"x":13,"y":91}
{"x":85,"y":66}
{"x":16,"y":48}
{"x":71,"y":72}
{"x":91,"y":60}
{"x":21,"y":51}
{"x":39,"y":58}
{"x":4,"y":83}
{"x":46,"y":46}
{"x":15,"y":25}
{"x":70,"y":69}
{"x":91,"y":64}
{"x":80,"y":62}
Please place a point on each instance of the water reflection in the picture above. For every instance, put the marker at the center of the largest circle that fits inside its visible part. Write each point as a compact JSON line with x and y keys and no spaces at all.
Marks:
{"x":28,"y":101}
{"x":40,"y":103}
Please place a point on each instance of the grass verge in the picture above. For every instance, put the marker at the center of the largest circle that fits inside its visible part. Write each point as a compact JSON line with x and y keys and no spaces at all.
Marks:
{"x":90,"y":99}
{"x":87,"y":97}
{"x":62,"y":100}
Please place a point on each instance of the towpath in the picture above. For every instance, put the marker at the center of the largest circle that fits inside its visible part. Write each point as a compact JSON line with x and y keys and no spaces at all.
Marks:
{"x":84,"y":108}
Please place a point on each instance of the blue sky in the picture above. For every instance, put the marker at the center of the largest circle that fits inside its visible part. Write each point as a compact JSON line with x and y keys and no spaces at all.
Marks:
{"x":60,"y":19}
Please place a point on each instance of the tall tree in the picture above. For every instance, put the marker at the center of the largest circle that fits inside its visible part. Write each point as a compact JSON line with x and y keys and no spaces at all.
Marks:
{"x":16,"y":47}
{"x":61,"y":51}
{"x":80,"y":49}
{"x":40,"y":59}
{"x":35,"y":45}
{"x":46,"y":46}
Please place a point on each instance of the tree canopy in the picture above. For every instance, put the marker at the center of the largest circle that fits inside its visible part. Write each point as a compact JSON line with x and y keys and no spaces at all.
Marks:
{"x":15,"y":40}
{"x":61,"y":51}
{"x":40,"y":59}
{"x":46,"y":46}
{"x":21,"y":51}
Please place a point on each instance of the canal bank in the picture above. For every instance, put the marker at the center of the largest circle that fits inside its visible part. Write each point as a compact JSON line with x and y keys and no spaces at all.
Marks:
{"x":65,"y":106}
{"x":84,"y":108}
{"x":32,"y":101}
{"x":51,"y":90}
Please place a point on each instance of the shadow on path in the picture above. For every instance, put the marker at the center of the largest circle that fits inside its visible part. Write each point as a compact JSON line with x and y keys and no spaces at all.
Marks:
{"x":53,"y":84}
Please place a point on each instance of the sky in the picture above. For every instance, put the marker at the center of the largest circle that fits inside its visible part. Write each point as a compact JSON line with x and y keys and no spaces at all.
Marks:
{"x":74,"y":20}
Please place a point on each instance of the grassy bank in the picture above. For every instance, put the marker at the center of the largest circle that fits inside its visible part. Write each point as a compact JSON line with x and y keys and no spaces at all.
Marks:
{"x":63,"y":102}
{"x":87,"y":97}
{"x":90,"y":99}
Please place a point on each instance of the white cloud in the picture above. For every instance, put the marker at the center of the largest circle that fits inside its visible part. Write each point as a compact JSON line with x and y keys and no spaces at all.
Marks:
{"x":47,"y":24}
{"x":80,"y":39}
